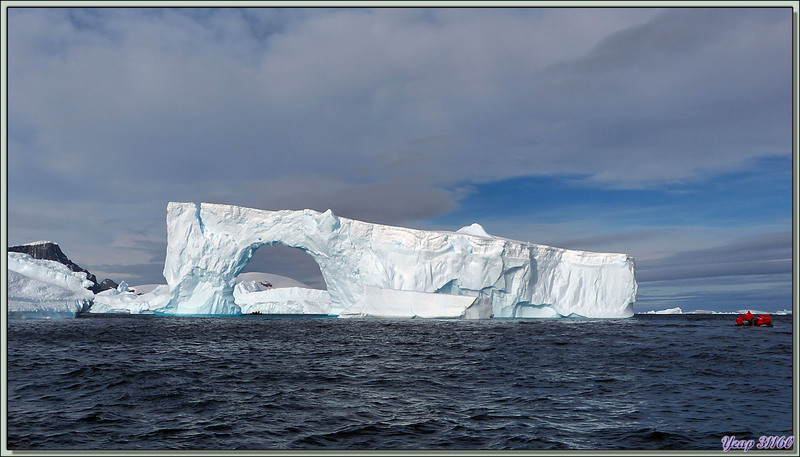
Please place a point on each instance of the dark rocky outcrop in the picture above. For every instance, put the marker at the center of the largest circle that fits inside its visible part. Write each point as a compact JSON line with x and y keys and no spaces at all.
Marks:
{"x":47,"y":250}
{"x":107,"y":284}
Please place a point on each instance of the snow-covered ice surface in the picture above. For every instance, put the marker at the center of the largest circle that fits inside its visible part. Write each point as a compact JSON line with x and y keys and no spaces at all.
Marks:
{"x":123,"y":300}
{"x":144,"y":288}
{"x":37,"y":243}
{"x":45,"y":288}
{"x":252,"y":298}
{"x":268,"y":293}
{"x":474,"y":229}
{"x":209,"y":245}
{"x":49,"y":271}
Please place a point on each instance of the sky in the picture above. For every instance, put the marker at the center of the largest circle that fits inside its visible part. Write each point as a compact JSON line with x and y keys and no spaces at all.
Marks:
{"x":665,"y":134}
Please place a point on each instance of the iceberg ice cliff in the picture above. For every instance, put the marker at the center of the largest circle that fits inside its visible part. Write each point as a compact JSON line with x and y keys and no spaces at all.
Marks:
{"x":45,"y":288}
{"x":209,"y":245}
{"x":409,"y":304}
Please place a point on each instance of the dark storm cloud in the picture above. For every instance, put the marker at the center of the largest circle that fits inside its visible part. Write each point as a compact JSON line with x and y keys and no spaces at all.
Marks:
{"x":673,"y":98}
{"x":656,"y":272}
{"x":133,"y":274}
{"x":390,"y":201}
{"x":766,"y":292}
{"x":34,"y":221}
{"x":767,"y":254}
{"x":157,"y":250}
{"x":198,"y":97}
{"x":594,"y":242}
{"x":674,"y":33}
{"x":763,"y":247}
{"x":768,"y":299}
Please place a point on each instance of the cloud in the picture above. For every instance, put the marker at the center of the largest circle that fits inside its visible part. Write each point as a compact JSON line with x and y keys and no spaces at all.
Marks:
{"x":614,"y":239}
{"x":204,"y":97}
{"x":715,"y":270}
{"x":767,"y":292}
{"x":386,"y":115}
{"x":389,"y":201}
{"x":764,"y":299}
{"x":135,"y":274}
{"x":674,"y":99}
{"x":762,"y":254}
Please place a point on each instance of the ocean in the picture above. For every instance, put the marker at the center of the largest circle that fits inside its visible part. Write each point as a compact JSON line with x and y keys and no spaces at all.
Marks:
{"x":223,"y":383}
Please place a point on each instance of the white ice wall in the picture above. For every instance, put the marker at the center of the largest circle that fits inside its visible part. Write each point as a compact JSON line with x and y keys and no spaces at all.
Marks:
{"x":45,"y":288}
{"x":208,"y":246}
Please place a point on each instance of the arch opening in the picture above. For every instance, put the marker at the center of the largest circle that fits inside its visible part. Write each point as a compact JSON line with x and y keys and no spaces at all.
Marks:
{"x":277,"y":279}
{"x":289,"y":262}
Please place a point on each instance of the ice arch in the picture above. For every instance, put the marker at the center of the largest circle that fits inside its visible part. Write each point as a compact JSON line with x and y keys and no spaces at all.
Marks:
{"x":207,"y":247}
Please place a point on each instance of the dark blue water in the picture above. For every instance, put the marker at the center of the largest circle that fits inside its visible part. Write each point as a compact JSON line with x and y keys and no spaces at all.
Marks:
{"x":650,"y":382}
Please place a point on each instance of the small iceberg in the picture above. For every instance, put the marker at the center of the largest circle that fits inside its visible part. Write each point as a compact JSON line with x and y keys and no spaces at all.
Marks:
{"x":676,"y":310}
{"x":45,"y":289}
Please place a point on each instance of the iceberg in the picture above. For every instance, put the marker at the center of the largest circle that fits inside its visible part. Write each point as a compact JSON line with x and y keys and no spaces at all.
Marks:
{"x":253,"y":299}
{"x":208,"y":245}
{"x":45,"y":288}
{"x":123,"y":300}
{"x":677,"y":310}
{"x":48,"y":250}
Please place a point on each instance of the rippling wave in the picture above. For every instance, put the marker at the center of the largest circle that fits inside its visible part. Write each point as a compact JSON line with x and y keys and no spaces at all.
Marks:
{"x":651,"y":382}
